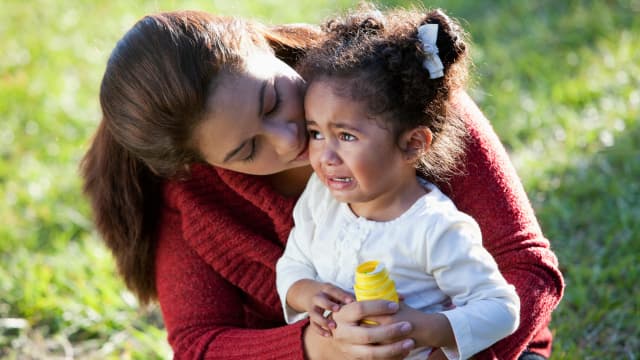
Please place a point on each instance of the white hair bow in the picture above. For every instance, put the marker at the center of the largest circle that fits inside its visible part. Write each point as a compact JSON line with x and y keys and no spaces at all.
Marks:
{"x":428,"y":34}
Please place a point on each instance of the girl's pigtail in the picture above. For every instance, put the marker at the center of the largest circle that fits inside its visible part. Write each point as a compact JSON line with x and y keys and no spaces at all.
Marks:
{"x":125,"y":197}
{"x":452,"y":46}
{"x":445,"y":156}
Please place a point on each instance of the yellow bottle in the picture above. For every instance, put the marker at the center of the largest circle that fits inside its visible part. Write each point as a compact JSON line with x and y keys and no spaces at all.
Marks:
{"x":373,"y":283}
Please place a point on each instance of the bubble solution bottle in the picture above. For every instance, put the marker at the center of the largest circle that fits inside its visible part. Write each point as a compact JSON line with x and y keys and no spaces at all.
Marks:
{"x":372,"y":282}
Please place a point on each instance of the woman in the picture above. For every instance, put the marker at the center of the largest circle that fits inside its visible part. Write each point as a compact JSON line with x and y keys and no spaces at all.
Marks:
{"x":193,"y":173}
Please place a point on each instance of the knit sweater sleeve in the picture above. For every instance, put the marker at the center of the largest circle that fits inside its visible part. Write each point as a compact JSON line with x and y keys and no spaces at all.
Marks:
{"x":206,"y":316}
{"x":491,"y":192}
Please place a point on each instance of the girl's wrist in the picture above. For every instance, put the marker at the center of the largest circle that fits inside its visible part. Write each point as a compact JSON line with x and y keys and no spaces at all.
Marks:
{"x":433,"y":330}
{"x":300,"y":293}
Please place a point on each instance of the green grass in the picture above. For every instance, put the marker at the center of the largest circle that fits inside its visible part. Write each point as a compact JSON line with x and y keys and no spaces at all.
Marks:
{"x":560,"y":82}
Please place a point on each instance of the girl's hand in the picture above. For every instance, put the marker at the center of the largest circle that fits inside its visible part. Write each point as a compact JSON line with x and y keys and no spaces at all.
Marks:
{"x":314,"y":298}
{"x":386,"y":341}
{"x":329,"y":298}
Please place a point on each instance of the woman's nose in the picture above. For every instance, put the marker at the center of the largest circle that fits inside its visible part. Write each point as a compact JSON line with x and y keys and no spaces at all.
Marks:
{"x":285,"y":136}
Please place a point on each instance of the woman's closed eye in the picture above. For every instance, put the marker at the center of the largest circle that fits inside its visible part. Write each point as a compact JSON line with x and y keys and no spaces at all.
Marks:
{"x":252,"y":152}
{"x":275,"y":101}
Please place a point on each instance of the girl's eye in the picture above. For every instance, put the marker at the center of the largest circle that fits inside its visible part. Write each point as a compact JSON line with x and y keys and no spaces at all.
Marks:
{"x":253,"y":151}
{"x":315,"y":135}
{"x":347,"y":137}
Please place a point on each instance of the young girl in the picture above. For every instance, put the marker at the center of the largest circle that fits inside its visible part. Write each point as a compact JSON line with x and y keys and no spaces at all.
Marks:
{"x":381,"y":130}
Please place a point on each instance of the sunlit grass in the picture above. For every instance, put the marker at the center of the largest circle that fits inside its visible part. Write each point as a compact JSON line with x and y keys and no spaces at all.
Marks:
{"x":559,"y":80}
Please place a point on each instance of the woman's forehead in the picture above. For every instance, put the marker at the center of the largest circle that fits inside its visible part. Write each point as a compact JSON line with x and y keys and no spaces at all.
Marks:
{"x":262,"y":65}
{"x":232,"y":112}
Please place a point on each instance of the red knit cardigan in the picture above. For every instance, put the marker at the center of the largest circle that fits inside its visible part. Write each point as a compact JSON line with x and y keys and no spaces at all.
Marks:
{"x":222,"y":232}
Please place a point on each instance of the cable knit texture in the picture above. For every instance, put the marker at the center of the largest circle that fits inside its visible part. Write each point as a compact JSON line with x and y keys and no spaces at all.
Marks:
{"x":222,"y":232}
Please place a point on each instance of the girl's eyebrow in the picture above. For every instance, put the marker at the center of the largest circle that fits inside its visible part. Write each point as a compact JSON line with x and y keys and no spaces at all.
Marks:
{"x":343,"y":126}
{"x":335,"y":125}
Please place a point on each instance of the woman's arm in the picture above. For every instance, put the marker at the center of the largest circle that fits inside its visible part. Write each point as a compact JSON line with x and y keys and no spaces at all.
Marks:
{"x":490,"y":191}
{"x":205,"y":315}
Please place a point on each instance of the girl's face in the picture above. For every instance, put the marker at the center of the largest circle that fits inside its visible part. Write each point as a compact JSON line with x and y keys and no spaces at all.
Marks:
{"x":255,"y":122}
{"x":352,"y":153}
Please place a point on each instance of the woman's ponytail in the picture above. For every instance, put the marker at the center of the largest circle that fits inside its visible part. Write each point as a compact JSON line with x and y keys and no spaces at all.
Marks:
{"x":125,"y":197}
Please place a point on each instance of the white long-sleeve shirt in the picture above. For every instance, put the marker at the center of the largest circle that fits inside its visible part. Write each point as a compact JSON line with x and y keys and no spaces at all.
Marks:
{"x":433,"y":252}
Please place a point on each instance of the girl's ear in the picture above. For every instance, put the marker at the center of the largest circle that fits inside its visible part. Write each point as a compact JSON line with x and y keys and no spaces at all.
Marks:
{"x":415,"y":143}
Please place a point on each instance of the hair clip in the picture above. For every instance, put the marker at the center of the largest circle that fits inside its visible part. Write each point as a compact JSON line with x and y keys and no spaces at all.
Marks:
{"x":428,"y":34}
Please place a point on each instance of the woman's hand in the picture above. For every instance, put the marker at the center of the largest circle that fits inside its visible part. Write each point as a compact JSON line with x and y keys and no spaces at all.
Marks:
{"x":437,"y":354}
{"x":352,"y":341}
{"x":428,"y":329}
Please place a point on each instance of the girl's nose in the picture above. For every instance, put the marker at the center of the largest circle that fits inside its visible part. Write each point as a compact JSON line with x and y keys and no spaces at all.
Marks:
{"x":329,"y":156}
{"x":285,"y":136}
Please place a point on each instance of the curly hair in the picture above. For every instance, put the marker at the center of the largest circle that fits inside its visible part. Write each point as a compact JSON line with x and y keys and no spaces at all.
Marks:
{"x":377,"y":58}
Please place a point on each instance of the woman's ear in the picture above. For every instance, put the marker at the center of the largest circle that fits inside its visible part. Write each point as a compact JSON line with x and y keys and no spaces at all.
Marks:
{"x":415,"y":143}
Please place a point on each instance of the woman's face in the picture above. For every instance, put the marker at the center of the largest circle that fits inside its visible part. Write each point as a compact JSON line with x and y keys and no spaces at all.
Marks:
{"x":255,"y":119}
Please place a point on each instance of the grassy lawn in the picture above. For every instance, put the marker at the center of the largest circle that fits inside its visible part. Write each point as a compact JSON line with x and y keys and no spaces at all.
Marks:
{"x":560,"y":81}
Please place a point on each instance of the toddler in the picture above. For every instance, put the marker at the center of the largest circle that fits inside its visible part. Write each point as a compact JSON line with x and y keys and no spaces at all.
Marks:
{"x":381,"y":132}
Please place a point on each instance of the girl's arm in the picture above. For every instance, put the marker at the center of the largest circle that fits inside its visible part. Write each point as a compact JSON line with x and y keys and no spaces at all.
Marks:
{"x":485,"y":307}
{"x":491,"y":192}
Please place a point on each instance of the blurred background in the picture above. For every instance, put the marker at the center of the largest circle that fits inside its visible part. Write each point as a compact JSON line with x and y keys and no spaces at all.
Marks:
{"x":559,"y":80}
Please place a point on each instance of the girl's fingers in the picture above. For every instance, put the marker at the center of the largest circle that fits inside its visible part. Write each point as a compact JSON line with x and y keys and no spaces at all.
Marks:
{"x":317,"y":317}
{"x":339,"y":295}
{"x":323,"y":302}
{"x":319,"y":330}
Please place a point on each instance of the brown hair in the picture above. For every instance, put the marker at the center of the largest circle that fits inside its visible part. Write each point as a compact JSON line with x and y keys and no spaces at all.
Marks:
{"x":153,"y":94}
{"x":377,"y":59}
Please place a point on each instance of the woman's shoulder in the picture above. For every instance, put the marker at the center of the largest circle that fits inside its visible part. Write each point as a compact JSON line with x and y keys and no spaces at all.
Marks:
{"x":202,"y":185}
{"x":176,"y":187}
{"x":440,"y":209}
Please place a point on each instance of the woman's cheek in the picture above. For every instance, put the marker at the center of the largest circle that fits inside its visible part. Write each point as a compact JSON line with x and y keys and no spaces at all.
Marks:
{"x":314,"y":157}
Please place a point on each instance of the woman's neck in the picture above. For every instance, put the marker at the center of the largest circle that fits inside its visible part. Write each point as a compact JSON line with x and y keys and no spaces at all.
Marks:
{"x":290,"y":182}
